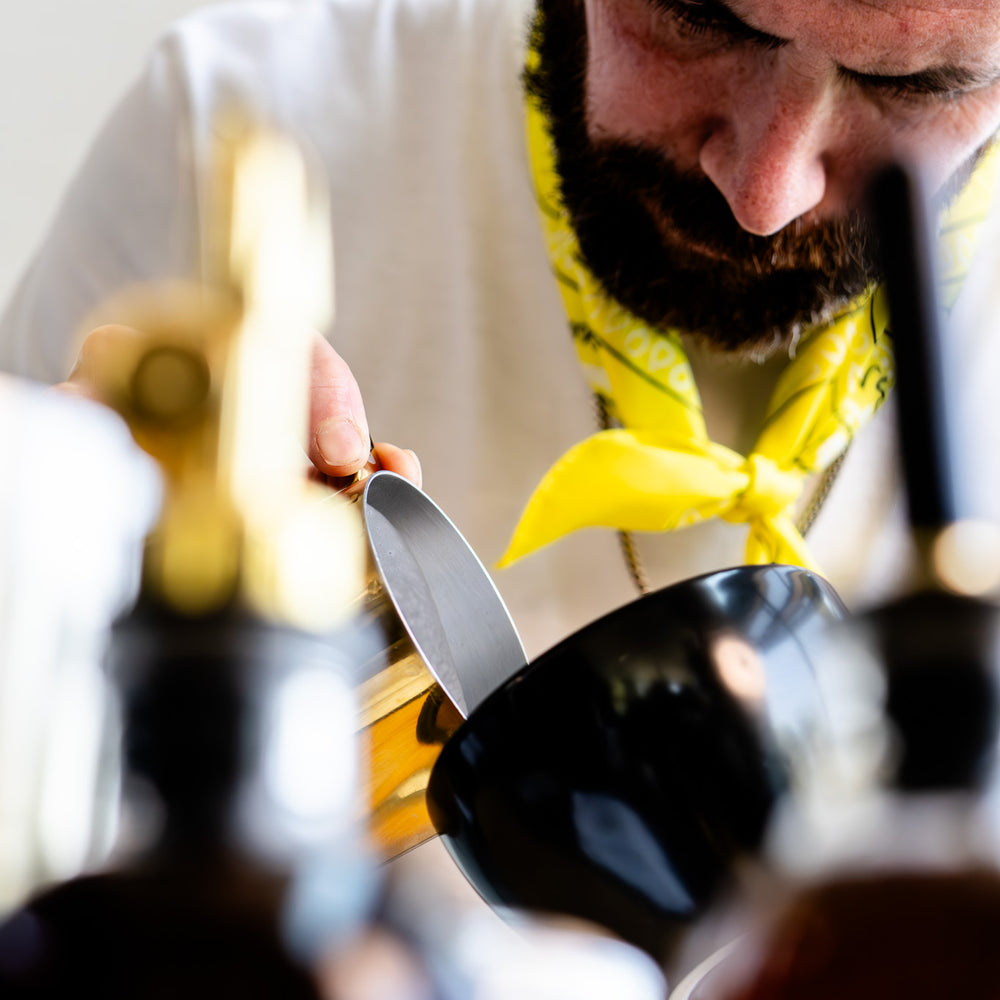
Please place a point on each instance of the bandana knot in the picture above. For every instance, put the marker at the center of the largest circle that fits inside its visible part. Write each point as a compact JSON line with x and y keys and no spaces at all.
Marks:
{"x":770,"y":490}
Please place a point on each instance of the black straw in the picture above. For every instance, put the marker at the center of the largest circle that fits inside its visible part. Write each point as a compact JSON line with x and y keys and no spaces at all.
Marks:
{"x":899,"y":210}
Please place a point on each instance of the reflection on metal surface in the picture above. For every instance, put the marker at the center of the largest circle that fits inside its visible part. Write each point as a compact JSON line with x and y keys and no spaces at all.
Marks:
{"x":398,"y":761}
{"x":395,"y":759}
{"x":739,"y":666}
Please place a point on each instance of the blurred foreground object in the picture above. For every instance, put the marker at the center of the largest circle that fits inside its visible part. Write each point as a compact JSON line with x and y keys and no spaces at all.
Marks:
{"x":240,"y":858}
{"x":76,"y":499}
{"x":887,"y":855}
{"x":214,"y":385}
{"x":465,"y":952}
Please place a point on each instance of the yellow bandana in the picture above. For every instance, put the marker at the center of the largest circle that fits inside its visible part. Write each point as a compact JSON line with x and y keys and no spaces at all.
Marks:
{"x":661,"y":471}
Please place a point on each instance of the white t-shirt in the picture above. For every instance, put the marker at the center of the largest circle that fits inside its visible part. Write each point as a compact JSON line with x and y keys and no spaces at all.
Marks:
{"x":446,"y":307}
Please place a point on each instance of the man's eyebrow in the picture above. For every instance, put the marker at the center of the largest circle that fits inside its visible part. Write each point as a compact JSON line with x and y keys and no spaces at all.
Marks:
{"x":720,"y":11}
{"x":941,"y":81}
{"x":718,"y":14}
{"x":938,"y":80}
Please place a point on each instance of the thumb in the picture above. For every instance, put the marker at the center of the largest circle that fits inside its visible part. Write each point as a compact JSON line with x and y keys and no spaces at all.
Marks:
{"x":339,"y":441}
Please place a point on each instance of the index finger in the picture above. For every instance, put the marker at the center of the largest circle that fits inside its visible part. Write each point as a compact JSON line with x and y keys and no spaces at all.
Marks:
{"x":339,"y":440}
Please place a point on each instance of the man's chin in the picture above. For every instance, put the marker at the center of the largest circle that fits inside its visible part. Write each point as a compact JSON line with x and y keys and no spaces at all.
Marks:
{"x":728,"y":307}
{"x":726,"y":332}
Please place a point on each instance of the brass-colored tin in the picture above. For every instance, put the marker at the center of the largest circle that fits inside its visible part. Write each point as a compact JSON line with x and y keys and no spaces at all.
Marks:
{"x":447,"y":641}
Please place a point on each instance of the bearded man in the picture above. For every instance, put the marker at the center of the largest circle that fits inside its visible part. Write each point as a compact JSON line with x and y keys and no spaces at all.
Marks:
{"x":611,"y":247}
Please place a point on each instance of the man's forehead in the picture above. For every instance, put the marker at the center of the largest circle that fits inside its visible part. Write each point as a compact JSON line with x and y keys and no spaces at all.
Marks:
{"x":901,"y":8}
{"x":889,"y":35}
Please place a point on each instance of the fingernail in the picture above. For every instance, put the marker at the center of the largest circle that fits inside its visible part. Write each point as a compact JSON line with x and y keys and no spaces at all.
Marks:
{"x":420,"y":470}
{"x":340,"y":442}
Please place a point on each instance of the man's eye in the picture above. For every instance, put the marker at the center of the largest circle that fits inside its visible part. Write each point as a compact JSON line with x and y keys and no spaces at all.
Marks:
{"x":707,"y":19}
{"x":904,"y":95}
{"x":915,"y":91}
{"x":690,"y":15}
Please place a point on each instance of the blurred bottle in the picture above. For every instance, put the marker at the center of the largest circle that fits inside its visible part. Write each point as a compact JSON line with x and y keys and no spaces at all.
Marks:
{"x":239,"y":858}
{"x":238,"y":733}
{"x":76,"y":499}
{"x":884,"y":862}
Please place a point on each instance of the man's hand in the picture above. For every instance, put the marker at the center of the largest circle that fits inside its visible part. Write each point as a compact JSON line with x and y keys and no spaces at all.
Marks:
{"x":339,"y":440}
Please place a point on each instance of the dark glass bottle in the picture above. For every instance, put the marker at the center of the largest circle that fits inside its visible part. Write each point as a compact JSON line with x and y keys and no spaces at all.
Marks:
{"x":208,"y":907}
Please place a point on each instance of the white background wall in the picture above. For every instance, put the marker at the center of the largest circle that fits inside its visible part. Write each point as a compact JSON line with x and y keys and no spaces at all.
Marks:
{"x":63,"y":63}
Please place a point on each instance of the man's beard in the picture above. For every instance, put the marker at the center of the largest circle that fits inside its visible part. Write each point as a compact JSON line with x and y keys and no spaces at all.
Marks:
{"x":666,"y":245}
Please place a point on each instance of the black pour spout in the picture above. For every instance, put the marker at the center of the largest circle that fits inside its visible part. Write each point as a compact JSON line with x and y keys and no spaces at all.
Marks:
{"x":936,"y":645}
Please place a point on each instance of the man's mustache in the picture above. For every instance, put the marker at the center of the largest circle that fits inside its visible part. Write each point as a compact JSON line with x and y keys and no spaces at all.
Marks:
{"x":696,"y":211}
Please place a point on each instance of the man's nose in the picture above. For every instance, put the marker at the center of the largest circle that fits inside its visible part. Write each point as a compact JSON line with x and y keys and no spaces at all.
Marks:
{"x":767,"y":154}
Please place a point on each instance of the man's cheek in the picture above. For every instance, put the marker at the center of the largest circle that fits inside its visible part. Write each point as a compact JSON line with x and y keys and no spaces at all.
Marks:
{"x":626,"y":85}
{"x":618,"y":108}
{"x":651,"y":101}
{"x":947,"y":143}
